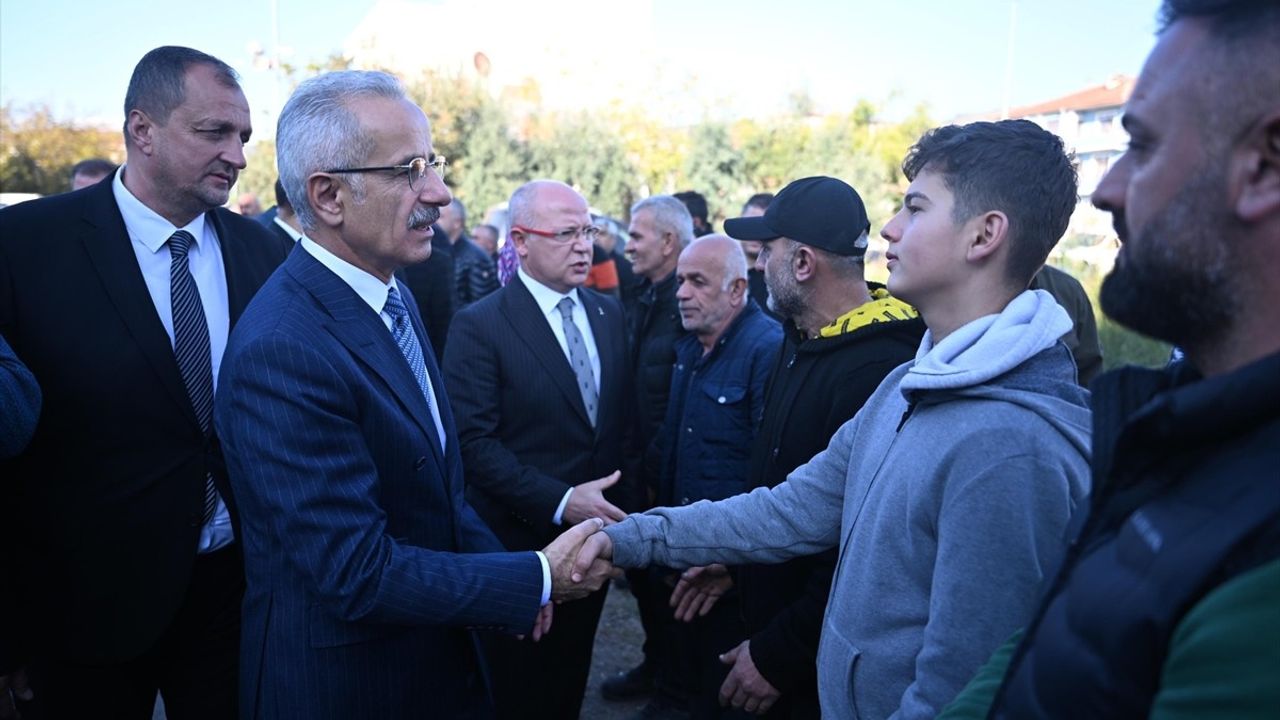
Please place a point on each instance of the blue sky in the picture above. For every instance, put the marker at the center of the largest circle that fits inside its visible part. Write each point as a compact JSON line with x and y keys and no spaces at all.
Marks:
{"x":76,"y":56}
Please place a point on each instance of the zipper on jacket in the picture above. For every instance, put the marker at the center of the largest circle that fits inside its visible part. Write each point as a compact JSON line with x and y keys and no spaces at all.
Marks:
{"x":911,"y":406}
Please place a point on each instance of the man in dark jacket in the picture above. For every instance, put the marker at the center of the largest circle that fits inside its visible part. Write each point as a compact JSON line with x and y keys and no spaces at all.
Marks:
{"x":1165,"y":606}
{"x":475,"y":272}
{"x":842,"y":337}
{"x":660,"y":229}
{"x":717,"y":399}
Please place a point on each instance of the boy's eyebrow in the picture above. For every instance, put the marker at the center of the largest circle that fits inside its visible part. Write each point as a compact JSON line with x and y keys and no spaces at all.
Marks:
{"x":914,"y":195}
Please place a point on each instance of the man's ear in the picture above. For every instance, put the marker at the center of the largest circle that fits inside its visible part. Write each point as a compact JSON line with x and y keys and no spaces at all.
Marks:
{"x":1255,"y":170}
{"x":327,"y":197}
{"x":988,"y":233}
{"x":738,"y":292}
{"x":141,"y":131}
{"x":520,"y":241}
{"x":804,"y":264}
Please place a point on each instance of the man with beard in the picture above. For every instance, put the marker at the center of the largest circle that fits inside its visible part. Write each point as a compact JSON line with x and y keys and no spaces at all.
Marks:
{"x":367,"y":571}
{"x":119,"y":298}
{"x":1165,"y":606}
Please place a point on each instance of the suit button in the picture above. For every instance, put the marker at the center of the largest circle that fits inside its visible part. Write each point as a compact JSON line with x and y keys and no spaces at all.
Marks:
{"x":420,"y":463}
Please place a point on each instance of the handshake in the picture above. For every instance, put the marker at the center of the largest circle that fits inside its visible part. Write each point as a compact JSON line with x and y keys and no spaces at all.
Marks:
{"x":580,"y":560}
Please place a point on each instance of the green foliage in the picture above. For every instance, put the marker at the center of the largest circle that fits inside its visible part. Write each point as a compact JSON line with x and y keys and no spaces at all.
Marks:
{"x":714,"y":168}
{"x":37,"y":151}
{"x":1120,"y":345}
{"x":259,"y":174}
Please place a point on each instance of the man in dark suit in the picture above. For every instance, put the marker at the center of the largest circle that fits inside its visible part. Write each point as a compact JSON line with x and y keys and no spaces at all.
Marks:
{"x":341,"y":448}
{"x":284,"y":221}
{"x":119,"y":298}
{"x":538,"y":375}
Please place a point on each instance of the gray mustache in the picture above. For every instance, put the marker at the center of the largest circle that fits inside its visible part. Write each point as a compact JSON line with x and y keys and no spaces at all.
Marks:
{"x":424,"y":216}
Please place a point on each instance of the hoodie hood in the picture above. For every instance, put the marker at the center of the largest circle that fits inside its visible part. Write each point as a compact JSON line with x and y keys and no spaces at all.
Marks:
{"x":1015,"y":357}
{"x":990,"y":346}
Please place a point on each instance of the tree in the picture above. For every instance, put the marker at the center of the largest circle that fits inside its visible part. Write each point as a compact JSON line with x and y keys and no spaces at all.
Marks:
{"x":714,"y":167}
{"x":38,"y":151}
{"x":580,"y":151}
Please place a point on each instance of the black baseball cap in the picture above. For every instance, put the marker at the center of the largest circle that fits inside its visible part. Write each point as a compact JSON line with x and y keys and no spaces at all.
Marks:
{"x":822,"y":212}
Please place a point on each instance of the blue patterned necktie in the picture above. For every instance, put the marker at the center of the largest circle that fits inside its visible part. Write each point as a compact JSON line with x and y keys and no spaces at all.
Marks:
{"x":578,"y":358}
{"x":191,"y":345}
{"x":407,"y":340}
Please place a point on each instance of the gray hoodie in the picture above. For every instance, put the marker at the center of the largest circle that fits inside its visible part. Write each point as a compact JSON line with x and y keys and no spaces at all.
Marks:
{"x":948,"y":495}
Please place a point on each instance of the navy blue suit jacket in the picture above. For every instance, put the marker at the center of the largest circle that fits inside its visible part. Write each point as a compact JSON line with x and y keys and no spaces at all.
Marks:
{"x":353,"y":522}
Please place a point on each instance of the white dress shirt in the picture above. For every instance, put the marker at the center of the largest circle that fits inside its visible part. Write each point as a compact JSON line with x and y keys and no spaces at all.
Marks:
{"x":287,"y":228}
{"x":548,"y":301}
{"x":148,"y":235}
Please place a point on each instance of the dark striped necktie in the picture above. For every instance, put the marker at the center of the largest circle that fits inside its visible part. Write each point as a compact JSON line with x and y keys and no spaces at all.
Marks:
{"x":191,"y":346}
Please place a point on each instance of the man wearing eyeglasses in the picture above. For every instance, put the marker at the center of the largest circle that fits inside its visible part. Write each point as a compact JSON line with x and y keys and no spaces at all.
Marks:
{"x":366,"y":569}
{"x":538,"y":376}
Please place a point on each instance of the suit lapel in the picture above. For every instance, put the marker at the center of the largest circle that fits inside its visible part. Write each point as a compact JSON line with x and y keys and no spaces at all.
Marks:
{"x":362,"y":332}
{"x":106,"y":240}
{"x":239,"y":292}
{"x":531,"y":326}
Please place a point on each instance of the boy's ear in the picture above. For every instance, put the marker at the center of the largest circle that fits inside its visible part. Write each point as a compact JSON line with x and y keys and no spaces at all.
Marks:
{"x":990,"y":233}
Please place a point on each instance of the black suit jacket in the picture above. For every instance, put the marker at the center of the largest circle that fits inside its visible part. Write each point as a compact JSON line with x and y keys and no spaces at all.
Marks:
{"x":107,"y":499}
{"x":523,"y":427}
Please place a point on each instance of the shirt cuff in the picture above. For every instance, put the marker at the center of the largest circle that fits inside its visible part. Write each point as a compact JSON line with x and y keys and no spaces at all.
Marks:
{"x":558,"y":518}
{"x":546,"y":578}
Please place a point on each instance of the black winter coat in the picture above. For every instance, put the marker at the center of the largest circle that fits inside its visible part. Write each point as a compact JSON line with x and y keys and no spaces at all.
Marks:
{"x":653,"y":320}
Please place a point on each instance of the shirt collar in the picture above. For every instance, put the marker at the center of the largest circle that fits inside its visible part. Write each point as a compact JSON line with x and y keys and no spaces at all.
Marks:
{"x":145,"y":225}
{"x":370,"y":289}
{"x":546,"y":298}
{"x":287,"y":228}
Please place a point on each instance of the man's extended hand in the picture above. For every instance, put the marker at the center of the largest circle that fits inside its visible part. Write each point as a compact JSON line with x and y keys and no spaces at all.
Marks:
{"x":13,"y":687}
{"x":567,"y":583}
{"x":699,"y":589}
{"x":597,"y":548}
{"x":745,"y":687}
{"x":587,"y":501}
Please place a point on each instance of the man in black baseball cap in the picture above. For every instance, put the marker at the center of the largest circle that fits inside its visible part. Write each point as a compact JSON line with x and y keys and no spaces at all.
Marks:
{"x":843,"y":336}
{"x":821,"y":212}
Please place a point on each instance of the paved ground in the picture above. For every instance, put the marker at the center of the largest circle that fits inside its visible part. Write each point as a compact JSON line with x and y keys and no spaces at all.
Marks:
{"x":617,"y":648}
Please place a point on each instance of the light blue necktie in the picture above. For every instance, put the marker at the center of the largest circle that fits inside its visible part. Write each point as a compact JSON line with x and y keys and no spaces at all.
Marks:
{"x":407,"y":340}
{"x":578,"y":358}
{"x":191,"y":345}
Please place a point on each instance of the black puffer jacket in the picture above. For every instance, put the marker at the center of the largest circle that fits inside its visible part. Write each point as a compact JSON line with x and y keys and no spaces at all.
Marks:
{"x":1184,"y":500}
{"x":817,"y":385}
{"x":475,"y":272}
{"x":653,"y":319}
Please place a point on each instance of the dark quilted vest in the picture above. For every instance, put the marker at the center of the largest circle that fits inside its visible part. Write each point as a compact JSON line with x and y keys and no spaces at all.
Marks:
{"x":1190,"y":499}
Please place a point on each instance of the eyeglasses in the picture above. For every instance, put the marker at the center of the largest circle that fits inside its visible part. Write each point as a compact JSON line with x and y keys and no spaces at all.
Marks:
{"x":591,"y":232}
{"x":416,"y":169}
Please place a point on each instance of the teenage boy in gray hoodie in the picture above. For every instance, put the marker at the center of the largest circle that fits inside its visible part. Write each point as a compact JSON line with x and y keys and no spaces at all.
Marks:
{"x":948,"y":494}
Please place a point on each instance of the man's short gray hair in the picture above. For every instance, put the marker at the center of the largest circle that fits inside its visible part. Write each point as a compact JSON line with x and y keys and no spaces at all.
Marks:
{"x":734,"y":265}
{"x":669,"y":215}
{"x":317,"y":131}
